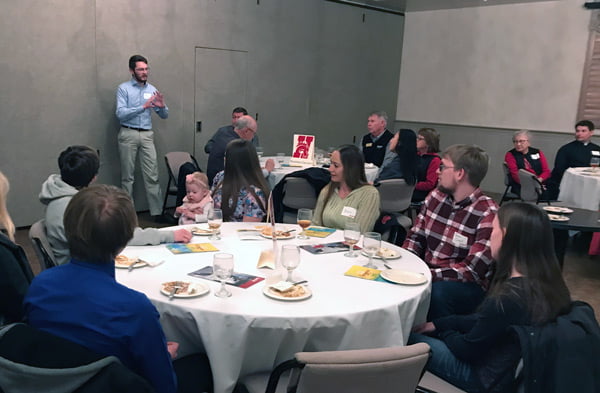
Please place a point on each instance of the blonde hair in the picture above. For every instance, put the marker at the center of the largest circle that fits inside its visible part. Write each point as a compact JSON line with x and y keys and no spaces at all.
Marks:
{"x":198,"y":178}
{"x":5,"y":221}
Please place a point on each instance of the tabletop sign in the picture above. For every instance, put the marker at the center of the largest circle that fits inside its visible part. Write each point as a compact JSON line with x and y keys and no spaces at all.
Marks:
{"x":364,"y":273}
{"x":304,"y":149}
{"x":327,"y":248}
{"x":319,"y":231}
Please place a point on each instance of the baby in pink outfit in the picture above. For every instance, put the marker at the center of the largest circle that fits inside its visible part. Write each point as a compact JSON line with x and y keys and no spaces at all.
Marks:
{"x":197,"y":202}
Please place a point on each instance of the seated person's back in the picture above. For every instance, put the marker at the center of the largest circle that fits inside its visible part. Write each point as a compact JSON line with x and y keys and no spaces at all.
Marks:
{"x":82,"y":302}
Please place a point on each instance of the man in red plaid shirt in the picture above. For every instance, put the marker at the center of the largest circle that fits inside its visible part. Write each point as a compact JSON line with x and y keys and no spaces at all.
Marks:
{"x":452,"y":233}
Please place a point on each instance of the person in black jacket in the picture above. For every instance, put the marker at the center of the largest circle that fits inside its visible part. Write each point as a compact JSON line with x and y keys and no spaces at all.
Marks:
{"x":478,"y":352}
{"x":375,"y":144}
{"x":15,"y":272}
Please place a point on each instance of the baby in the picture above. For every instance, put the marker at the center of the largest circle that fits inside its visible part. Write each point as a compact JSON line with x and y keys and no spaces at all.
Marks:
{"x":197,"y":201}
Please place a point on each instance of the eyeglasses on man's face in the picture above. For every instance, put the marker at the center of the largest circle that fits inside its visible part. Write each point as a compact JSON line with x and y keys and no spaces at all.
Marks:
{"x":442,"y":167}
{"x":520,"y":141}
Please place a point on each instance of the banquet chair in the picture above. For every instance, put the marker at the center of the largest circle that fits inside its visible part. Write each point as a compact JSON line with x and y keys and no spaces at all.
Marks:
{"x":174,"y":160}
{"x":508,"y":194}
{"x":395,"y":199}
{"x":41,"y":246}
{"x":392,"y":369}
{"x":298,"y":194}
{"x":531,"y":188}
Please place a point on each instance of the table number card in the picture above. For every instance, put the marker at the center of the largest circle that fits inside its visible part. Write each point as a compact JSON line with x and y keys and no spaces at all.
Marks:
{"x":176,"y":248}
{"x":304,"y":149}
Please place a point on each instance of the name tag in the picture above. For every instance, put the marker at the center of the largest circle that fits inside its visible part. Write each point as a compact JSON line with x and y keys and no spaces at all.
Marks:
{"x":595,"y":153}
{"x":459,"y":240}
{"x":535,"y":156}
{"x":147,"y":96}
{"x":368,"y":144}
{"x":348,"y":211}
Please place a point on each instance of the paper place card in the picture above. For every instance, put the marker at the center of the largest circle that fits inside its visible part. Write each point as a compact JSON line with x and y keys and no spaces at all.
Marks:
{"x":364,"y":273}
{"x":240,"y":280}
{"x":266,"y":259}
{"x":327,"y":248}
{"x":177,"y":248}
{"x":319,"y":231}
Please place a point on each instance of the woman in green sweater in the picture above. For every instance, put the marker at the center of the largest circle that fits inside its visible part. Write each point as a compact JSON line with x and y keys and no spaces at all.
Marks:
{"x":348,"y":197}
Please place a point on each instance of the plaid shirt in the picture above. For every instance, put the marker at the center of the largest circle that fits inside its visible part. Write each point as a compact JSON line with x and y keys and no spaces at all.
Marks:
{"x":454,"y":238}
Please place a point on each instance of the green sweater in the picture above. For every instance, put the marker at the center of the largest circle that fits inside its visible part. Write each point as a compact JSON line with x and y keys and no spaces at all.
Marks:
{"x":362,"y":202}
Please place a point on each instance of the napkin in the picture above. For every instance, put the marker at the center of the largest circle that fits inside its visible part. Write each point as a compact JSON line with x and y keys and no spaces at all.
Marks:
{"x":266,"y":259}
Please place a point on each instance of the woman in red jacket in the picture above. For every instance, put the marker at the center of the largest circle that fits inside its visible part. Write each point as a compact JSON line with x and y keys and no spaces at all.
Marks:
{"x":523,"y":156}
{"x":428,"y":147}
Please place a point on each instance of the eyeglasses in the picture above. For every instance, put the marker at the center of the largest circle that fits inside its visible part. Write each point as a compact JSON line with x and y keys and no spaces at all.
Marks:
{"x":520,"y":141}
{"x":442,"y":167}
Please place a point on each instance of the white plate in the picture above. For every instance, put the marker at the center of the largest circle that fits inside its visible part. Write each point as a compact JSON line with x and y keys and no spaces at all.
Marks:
{"x":194,"y":289}
{"x":556,"y":217}
{"x":290,"y":235}
{"x":200,"y":231}
{"x":274,"y":295}
{"x":403,"y":277}
{"x":557,"y":209}
{"x":125,"y":262}
{"x":393,"y":254}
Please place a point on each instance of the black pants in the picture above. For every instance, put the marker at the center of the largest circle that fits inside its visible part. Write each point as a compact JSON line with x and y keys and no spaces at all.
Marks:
{"x":193,"y":374}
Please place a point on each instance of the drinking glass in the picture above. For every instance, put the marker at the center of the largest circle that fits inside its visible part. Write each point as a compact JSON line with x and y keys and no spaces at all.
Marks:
{"x":290,"y":259}
{"x":595,"y":162}
{"x":371,"y":244}
{"x":304,"y":220}
{"x":223,"y":269}
{"x":351,"y":237}
{"x":215,"y":219}
{"x":280,"y":159}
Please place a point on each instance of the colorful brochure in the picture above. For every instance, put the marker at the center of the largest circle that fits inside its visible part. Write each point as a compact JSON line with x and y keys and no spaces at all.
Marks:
{"x":365,"y":273}
{"x":327,"y":248}
{"x":177,"y":248}
{"x":319,"y":231}
{"x":240,"y":280}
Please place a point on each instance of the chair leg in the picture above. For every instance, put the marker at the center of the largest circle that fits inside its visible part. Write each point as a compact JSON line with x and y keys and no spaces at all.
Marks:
{"x":166,"y":197}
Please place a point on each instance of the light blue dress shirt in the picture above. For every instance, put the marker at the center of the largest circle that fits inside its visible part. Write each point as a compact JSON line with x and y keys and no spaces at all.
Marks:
{"x":131,"y":96}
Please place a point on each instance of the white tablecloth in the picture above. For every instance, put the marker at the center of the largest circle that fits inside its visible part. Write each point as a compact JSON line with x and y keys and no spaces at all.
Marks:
{"x":281,"y":171}
{"x":250,"y":332}
{"x":580,"y":187}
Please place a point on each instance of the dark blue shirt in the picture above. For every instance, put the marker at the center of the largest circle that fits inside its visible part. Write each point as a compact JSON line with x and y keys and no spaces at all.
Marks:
{"x":82,"y":302}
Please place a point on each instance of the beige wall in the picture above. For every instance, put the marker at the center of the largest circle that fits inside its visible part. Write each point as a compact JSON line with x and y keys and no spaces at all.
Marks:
{"x":313,"y":66}
{"x":506,"y":66}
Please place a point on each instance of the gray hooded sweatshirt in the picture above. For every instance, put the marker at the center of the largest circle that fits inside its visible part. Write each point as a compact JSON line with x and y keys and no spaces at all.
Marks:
{"x":56,"y":195}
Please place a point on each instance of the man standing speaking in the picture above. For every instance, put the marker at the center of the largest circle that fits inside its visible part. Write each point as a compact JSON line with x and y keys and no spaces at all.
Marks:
{"x":136,"y":99}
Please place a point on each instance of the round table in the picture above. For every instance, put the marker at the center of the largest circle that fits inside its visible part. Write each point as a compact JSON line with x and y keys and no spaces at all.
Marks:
{"x":288,"y":167}
{"x":250,"y":332}
{"x":580,"y":187}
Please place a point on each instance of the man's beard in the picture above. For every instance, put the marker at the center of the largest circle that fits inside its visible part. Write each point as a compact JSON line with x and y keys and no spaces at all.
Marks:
{"x":445,"y":190}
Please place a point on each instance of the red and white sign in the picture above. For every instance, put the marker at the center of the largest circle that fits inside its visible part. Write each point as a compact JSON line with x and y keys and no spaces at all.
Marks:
{"x":304,"y":149}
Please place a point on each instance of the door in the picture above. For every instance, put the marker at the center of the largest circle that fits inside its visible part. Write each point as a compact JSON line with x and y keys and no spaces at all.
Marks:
{"x":220,"y":86}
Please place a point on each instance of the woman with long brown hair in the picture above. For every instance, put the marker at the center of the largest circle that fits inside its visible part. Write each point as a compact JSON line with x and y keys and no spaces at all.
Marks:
{"x":241,"y":190}
{"x":348,"y":197}
{"x":476,"y":351}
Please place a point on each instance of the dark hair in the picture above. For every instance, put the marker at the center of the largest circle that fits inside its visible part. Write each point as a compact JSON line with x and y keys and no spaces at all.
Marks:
{"x":239,"y":109}
{"x":134,"y":59}
{"x":78,"y":165}
{"x":528,"y":247}
{"x":354,"y":170}
{"x":242,"y":170}
{"x":432,"y":139}
{"x":99,"y":221}
{"x":407,"y":152}
{"x":471,"y":158}
{"x":585,"y":123}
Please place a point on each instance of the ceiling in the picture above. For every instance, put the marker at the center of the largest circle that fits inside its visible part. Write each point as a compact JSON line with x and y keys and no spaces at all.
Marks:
{"x":427,"y":5}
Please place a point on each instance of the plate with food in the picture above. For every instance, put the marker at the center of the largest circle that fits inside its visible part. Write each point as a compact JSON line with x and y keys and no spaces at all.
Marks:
{"x":284,"y":234}
{"x":558,"y":209}
{"x":183,"y":289}
{"x":289,"y":294}
{"x":403,"y":277}
{"x":386,"y":253}
{"x":197,"y":231}
{"x":125,"y":262}
{"x":557,"y":217}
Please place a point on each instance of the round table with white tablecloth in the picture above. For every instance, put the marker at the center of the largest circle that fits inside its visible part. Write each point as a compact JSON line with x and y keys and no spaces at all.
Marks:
{"x":580,"y":187}
{"x":286,"y":167}
{"x":250,"y":332}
